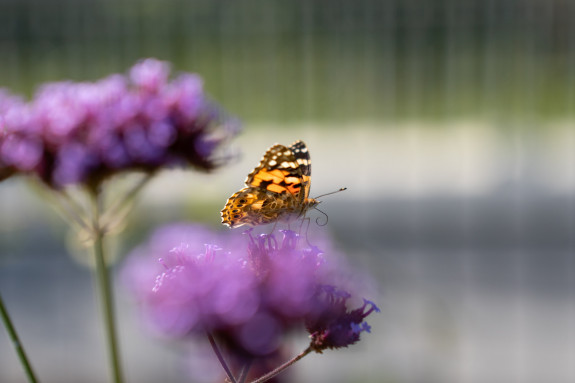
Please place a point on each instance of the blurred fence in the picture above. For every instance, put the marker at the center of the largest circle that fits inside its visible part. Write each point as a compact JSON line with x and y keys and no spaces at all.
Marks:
{"x":323,"y":59}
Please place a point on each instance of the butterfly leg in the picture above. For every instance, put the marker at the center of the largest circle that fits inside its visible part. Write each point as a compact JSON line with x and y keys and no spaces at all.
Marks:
{"x":273,"y":228}
{"x":302,"y":223}
{"x":305,"y":221}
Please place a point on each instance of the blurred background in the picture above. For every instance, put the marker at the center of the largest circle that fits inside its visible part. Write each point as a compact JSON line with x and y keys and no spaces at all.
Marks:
{"x":451,"y":122}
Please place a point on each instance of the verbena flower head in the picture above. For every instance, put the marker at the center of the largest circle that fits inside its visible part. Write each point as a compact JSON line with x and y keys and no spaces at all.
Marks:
{"x":247,"y":291}
{"x":83,"y":132}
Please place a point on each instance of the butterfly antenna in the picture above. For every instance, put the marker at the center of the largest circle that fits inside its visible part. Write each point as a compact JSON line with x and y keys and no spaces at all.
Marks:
{"x":317,"y":220}
{"x":333,"y":192}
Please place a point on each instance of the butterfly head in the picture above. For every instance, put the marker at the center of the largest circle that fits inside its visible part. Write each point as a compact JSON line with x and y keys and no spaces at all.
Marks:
{"x":311,"y":203}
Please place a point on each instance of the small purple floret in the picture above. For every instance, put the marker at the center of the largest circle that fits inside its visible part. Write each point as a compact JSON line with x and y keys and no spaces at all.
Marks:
{"x":336,"y":326}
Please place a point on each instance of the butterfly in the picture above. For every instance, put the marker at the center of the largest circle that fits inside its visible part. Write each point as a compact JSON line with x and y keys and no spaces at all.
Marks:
{"x":276,"y":190}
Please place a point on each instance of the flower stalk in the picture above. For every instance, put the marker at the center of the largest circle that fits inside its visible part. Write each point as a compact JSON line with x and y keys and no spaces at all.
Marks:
{"x":16,"y":343}
{"x":283,"y":367}
{"x":105,"y":289}
{"x":244,"y":372}
{"x":221,"y":359}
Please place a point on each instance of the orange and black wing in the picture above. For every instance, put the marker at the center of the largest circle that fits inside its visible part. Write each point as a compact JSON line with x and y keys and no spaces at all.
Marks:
{"x":283,"y":170}
{"x":278,"y":185}
{"x":255,"y":206}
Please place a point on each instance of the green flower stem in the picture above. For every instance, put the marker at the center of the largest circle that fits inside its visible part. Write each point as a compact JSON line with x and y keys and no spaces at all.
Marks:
{"x":104,"y":285}
{"x":118,"y":209}
{"x":16,"y":343}
{"x":283,"y":367}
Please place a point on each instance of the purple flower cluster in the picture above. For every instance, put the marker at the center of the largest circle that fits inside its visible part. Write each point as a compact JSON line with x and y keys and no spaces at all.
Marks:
{"x":247,"y":295}
{"x":81,"y":133}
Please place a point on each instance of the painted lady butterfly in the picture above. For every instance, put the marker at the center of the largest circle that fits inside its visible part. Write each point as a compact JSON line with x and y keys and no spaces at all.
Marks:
{"x":277,"y":189}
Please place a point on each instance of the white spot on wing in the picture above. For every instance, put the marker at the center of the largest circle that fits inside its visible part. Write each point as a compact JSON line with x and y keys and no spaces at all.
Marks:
{"x":257,"y":205}
{"x":292,"y":180}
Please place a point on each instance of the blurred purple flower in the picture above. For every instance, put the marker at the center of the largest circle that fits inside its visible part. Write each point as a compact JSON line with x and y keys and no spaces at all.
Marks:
{"x":19,"y":149}
{"x":247,"y":297}
{"x":81,"y":133}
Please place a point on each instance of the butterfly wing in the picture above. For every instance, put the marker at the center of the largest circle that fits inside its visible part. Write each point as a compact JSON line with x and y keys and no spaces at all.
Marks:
{"x":283,"y":170}
{"x":255,"y":206}
{"x":302,"y":158}
{"x":278,"y":185}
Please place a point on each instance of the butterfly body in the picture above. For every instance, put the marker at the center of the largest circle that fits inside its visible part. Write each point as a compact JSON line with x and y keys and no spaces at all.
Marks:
{"x":276,"y":190}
